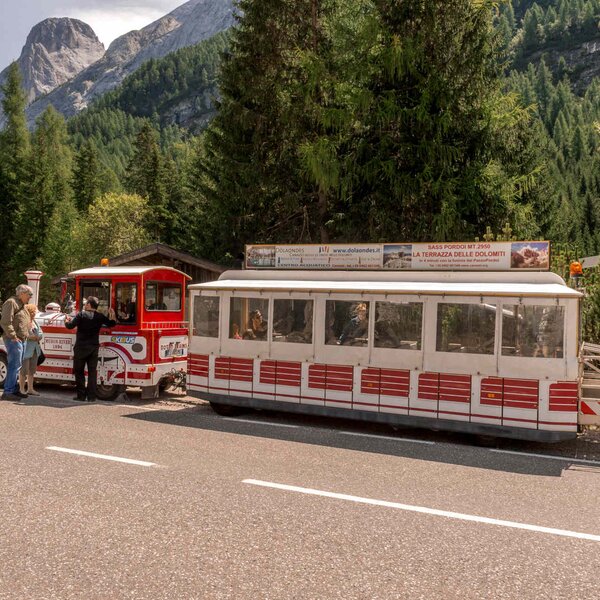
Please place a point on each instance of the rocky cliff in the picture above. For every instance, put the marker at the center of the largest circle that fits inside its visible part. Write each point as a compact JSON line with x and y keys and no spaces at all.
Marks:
{"x":189,"y":24}
{"x":56,"y":50}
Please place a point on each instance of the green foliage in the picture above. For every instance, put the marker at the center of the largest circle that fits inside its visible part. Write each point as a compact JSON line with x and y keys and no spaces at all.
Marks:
{"x":62,"y":247}
{"x":559,"y":24}
{"x":253,"y":183}
{"x":568,"y":136}
{"x":145,"y":176}
{"x":87,"y":175}
{"x":590,"y":314}
{"x":188,"y":75}
{"x":50,"y":183}
{"x":14,"y":176}
{"x":438,"y":156}
{"x":112,"y":225}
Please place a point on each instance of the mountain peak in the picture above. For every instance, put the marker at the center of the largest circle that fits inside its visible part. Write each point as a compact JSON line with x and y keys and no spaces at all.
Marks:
{"x":187,"y":25}
{"x":56,"y":50}
{"x":57,"y":32}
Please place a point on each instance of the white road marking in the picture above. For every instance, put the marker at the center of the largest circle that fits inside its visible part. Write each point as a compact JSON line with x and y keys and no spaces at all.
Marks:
{"x":256,"y":422}
{"x":550,"y":456}
{"x":133,"y":406}
{"x":425,"y":510}
{"x":130,"y":461}
{"x":387,"y":437}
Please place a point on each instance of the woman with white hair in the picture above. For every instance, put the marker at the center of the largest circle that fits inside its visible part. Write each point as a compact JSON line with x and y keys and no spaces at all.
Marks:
{"x":31,"y":354}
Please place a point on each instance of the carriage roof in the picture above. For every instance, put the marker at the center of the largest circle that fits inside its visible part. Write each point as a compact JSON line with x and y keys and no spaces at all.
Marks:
{"x":131,"y":270}
{"x":538,"y":284}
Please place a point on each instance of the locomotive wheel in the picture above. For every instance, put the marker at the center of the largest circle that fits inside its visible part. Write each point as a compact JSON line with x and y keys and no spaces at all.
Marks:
{"x":3,"y":369}
{"x":109,"y":392}
{"x":225,"y":410}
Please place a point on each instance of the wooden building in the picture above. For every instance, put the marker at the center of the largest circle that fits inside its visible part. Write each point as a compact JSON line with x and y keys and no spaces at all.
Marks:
{"x":199,"y":269}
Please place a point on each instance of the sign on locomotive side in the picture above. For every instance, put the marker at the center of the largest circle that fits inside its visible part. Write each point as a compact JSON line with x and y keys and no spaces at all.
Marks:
{"x":464,"y":256}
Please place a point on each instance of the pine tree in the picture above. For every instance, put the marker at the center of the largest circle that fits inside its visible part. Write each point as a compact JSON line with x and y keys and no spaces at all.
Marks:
{"x":63,"y":246}
{"x":437,"y":154}
{"x":50,"y":184}
{"x":87,"y":180}
{"x":14,"y":166}
{"x":255,"y":187}
{"x":145,"y":177}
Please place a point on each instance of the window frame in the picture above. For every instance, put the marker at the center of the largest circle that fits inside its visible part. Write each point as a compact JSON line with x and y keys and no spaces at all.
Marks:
{"x":193,"y":299}
{"x":438,"y":361}
{"x":528,"y":367}
{"x":288,"y":298}
{"x":97,"y":283}
{"x":135,"y":284}
{"x":158,"y":282}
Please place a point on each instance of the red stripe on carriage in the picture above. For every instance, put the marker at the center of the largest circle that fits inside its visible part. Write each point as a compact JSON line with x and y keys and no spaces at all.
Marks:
{"x":331,"y":377}
{"x":563,"y":396}
{"x":429,"y":385}
{"x":510,"y":393}
{"x":455,"y":388}
{"x":389,"y":382}
{"x":137,"y":375}
{"x":277,"y":372}
{"x":198,"y":364}
{"x":58,"y":370}
{"x":234,"y":369}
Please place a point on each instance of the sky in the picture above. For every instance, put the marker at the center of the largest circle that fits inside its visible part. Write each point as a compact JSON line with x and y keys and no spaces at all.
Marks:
{"x":108,"y":18}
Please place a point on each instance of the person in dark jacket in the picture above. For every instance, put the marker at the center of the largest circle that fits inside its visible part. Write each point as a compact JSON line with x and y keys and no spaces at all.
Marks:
{"x":89,"y":322}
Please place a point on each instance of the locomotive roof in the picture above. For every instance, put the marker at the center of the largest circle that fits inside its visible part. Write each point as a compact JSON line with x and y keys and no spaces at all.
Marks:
{"x":539,"y":284}
{"x":133,"y":270}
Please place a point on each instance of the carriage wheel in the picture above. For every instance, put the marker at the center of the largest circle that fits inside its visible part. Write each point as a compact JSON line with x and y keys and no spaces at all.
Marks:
{"x":225,"y":410}
{"x":109,"y":392}
{"x":3,"y":369}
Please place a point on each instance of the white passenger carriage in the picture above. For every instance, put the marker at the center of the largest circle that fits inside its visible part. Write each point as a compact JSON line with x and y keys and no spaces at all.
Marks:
{"x":484,"y":352}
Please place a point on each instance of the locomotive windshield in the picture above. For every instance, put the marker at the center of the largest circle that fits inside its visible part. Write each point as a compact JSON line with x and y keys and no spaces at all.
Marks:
{"x":99,"y":289}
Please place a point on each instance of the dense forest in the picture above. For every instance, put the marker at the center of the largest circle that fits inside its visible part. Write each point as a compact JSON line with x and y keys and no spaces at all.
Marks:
{"x":319,"y":120}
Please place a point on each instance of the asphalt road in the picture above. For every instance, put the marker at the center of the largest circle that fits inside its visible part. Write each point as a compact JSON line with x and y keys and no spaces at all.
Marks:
{"x":275,"y":506}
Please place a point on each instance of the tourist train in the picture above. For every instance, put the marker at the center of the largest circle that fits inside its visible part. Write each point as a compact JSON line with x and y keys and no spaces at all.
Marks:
{"x":462,"y":349}
{"x":479,"y":338}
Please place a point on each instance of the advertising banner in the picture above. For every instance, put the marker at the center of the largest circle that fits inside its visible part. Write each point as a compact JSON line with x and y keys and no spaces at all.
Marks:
{"x":459,"y":256}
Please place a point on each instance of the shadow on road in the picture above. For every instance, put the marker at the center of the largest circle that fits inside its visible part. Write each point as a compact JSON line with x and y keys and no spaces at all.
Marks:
{"x":447,"y":448}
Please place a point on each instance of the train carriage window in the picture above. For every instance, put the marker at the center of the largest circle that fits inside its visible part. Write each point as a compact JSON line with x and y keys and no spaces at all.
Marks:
{"x":162,"y":296}
{"x":293,"y":321}
{"x":532,"y":331}
{"x":249,"y":319}
{"x":206,"y":317}
{"x":346,"y":323}
{"x":398,"y":325}
{"x":126,"y":302}
{"x":99,"y":289}
{"x":468,"y":328}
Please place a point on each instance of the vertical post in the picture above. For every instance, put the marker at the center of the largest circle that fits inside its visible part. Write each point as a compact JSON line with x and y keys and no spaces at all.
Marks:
{"x":33,"y":281}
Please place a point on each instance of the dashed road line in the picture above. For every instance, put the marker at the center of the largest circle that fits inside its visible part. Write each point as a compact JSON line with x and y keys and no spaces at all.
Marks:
{"x":547,"y":456}
{"x":387,"y":437}
{"x":256,"y":422}
{"x":425,"y":510}
{"x":130,"y":461}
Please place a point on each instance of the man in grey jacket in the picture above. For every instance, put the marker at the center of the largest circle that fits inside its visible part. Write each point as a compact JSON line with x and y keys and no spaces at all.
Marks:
{"x":15,"y":329}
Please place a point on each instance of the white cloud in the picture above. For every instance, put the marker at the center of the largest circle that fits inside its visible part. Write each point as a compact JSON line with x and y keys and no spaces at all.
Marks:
{"x":108,"y":18}
{"x":109,"y":25}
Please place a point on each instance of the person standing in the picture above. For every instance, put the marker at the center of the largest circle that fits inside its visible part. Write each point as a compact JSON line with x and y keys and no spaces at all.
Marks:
{"x":15,"y":330}
{"x":89,"y":322}
{"x":31,"y":354}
